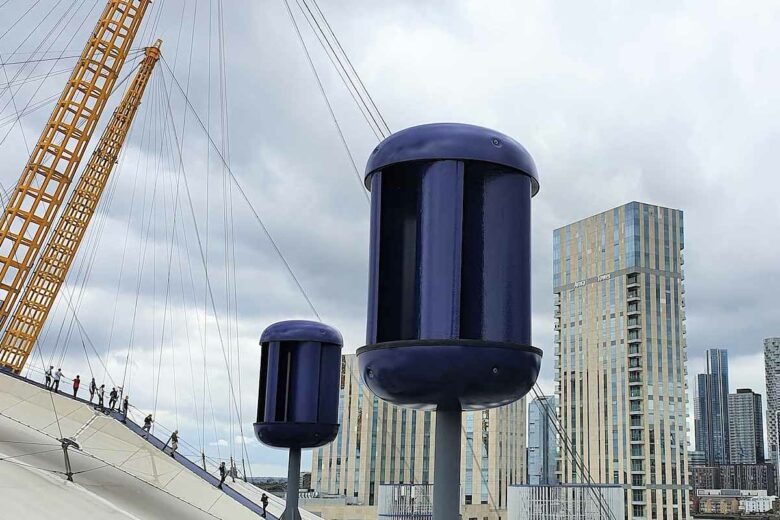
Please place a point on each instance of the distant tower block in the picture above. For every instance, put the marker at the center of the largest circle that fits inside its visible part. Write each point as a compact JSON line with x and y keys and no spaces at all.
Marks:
{"x":449,"y":305}
{"x":298,"y":401}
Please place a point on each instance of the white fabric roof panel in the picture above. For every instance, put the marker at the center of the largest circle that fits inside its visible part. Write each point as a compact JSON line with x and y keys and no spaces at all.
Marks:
{"x":117,"y":474}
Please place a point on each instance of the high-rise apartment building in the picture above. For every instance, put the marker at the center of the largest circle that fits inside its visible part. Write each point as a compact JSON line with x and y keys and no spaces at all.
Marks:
{"x":746,"y":427}
{"x":620,"y":354}
{"x":711,"y":408}
{"x":711,"y":419}
{"x":380,"y":443}
{"x":772,"y":374}
{"x":542,"y":441}
{"x":701,"y":419}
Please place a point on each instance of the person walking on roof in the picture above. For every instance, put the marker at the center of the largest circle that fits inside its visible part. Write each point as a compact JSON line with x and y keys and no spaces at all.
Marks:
{"x":147,"y":425}
{"x":114,"y":395}
{"x":57,"y":376}
{"x":222,"y":474}
{"x":76,"y":385}
{"x":101,"y":395}
{"x":174,"y":442}
{"x":264,"y":501}
{"x":125,"y":406}
{"x":47,"y":374}
{"x":92,"y":389}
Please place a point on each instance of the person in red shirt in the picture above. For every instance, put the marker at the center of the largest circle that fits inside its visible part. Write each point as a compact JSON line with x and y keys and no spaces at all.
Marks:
{"x":76,"y":384}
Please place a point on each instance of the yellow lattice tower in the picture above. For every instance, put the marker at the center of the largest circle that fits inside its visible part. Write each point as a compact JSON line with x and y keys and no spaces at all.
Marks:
{"x":58,"y":254}
{"x":55,"y":158}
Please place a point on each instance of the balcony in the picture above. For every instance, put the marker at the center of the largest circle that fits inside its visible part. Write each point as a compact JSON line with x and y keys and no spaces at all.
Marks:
{"x":635,"y":407}
{"x":634,"y":378}
{"x":632,"y":281}
{"x":633,"y":309}
{"x":634,"y":363}
{"x":632,"y":296}
{"x":634,"y":350}
{"x":634,"y":336}
{"x":634,"y":323}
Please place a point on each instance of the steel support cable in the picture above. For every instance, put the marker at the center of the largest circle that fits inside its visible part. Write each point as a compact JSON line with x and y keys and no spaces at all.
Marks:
{"x":141,"y":263}
{"x":175,"y":213}
{"x":11,"y":119}
{"x":483,"y":479}
{"x":227,"y":209}
{"x":203,"y":257}
{"x":327,"y":101}
{"x":41,"y":60}
{"x":364,"y":110}
{"x":177,"y":167}
{"x":189,"y":344}
{"x":206,"y":386}
{"x":160,"y":141}
{"x":576,"y":460}
{"x":86,"y":264}
{"x":344,"y":74}
{"x":30,"y":79}
{"x":352,"y":68}
{"x":244,"y":196}
{"x":207,"y":285}
{"x":174,"y":244}
{"x":136,"y":176}
{"x":24,"y":14}
{"x":37,"y":48}
{"x":16,"y":113}
{"x":552,"y":416}
{"x":65,"y":25}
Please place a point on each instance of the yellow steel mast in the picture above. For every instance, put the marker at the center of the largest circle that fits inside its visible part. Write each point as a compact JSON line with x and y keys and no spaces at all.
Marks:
{"x":58,"y":254}
{"x":54,"y":160}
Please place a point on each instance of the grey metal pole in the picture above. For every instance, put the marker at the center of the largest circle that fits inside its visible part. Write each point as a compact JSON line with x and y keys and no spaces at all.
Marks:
{"x":68,"y":470}
{"x":446,"y":470}
{"x":293,"y":477}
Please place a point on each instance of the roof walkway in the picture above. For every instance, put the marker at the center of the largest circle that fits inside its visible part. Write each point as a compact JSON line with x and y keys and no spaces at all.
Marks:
{"x":117,"y":472}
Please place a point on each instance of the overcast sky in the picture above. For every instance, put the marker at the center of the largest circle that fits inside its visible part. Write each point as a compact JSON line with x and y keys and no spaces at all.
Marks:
{"x":669,"y":103}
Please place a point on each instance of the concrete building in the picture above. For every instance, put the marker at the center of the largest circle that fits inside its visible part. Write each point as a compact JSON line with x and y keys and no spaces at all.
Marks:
{"x":772,"y":374}
{"x":542,"y":441}
{"x":756,"y":477}
{"x":621,"y":355}
{"x":696,"y":458}
{"x":732,"y":501}
{"x":757,"y":504}
{"x":746,"y":427}
{"x":719,"y":505}
{"x":711,"y":410}
{"x":566,"y":502}
{"x":379,"y":443}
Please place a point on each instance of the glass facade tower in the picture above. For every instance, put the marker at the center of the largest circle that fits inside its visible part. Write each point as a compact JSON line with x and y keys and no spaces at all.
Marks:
{"x":542,"y":441}
{"x":772,"y":374}
{"x":712,"y":409}
{"x":620,"y":354}
{"x":746,"y":427}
